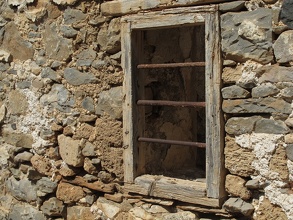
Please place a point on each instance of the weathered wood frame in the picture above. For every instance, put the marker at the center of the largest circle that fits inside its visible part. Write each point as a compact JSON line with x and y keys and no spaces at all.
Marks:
{"x":208,"y":15}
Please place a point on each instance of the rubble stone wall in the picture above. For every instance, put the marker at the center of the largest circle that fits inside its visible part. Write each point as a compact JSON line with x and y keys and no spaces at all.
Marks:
{"x":61,"y":143}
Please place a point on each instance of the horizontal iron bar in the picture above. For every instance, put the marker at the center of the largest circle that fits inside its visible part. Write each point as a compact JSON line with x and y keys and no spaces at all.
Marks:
{"x":162,"y":141}
{"x":171,"y":103}
{"x":169,"y":65}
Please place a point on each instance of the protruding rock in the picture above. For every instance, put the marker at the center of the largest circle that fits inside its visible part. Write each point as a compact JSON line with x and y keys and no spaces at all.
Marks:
{"x":69,"y":193}
{"x":70,"y":151}
{"x":52,"y":207}
{"x":235,"y":186}
{"x":287,"y":13}
{"x":110,"y":102}
{"x":79,"y":212}
{"x":17,"y":104}
{"x":72,"y":16}
{"x":283,"y":47}
{"x":23,"y":157}
{"x":241,"y":125}
{"x":252,"y":184}
{"x":46,"y":186}
{"x":234,"y":92}
{"x":237,"y":205}
{"x":109,"y":37}
{"x":247,"y":35}
{"x":263,"y":90}
{"x":238,"y":160}
{"x":271,"y":127}
{"x":261,"y":105}
{"x":15,"y":44}
{"x":76,"y":78}
{"x":22,"y":190}
{"x":20,"y":210}
{"x":57,"y":47}
{"x":109,"y":208}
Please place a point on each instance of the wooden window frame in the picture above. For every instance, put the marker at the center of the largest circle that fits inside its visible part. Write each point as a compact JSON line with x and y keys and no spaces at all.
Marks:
{"x":215,"y":171}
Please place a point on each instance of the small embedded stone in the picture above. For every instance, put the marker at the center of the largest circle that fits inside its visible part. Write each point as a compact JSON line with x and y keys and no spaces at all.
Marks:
{"x":234,"y":92}
{"x":252,"y":184}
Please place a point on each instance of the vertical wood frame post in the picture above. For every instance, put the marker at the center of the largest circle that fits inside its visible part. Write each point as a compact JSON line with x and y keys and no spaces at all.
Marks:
{"x":214,"y":118}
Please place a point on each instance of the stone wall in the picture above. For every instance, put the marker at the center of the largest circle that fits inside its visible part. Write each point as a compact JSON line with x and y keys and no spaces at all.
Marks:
{"x":61,"y":151}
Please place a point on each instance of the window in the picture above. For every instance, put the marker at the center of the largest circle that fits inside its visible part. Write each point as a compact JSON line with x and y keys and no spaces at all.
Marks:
{"x":172,"y":120}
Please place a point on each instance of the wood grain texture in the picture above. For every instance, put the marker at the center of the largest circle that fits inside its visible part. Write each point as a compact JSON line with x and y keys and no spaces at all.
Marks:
{"x":130,"y":152}
{"x":214,"y":120}
{"x":122,"y":7}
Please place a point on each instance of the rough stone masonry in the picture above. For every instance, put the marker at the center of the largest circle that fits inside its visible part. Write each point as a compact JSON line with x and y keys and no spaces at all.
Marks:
{"x":61,"y":144}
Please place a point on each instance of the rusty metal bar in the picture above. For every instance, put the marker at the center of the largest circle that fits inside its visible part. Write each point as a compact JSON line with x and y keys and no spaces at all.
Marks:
{"x":162,"y":141}
{"x":171,"y":103}
{"x":170,"y":65}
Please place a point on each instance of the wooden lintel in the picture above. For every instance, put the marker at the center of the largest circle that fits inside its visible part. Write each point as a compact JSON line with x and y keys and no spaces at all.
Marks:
{"x":122,"y":7}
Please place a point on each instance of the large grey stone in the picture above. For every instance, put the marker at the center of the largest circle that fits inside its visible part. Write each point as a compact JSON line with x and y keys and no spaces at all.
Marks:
{"x":89,"y":150}
{"x":237,"y":205}
{"x":73,"y":15}
{"x":110,"y":102}
{"x":70,"y":151}
{"x":88,"y":104}
{"x":22,"y":190}
{"x":231,"y":6}
{"x":247,"y":35}
{"x":275,"y":74}
{"x":17,"y":103}
{"x":86,"y":57}
{"x":15,"y":44}
{"x":17,"y":139}
{"x":241,"y":125}
{"x":59,"y":98}
{"x":109,"y":37}
{"x":45,"y":186}
{"x":68,"y":31}
{"x":271,"y":127}
{"x":261,"y":105}
{"x":25,"y":212}
{"x":79,"y":212}
{"x":76,"y":78}
{"x":53,"y":207}
{"x":286,"y":14}
{"x":23,"y":157}
{"x":57,"y":47}
{"x":283,"y":47}
{"x":263,"y":90}
{"x":47,"y":72}
{"x":234,"y":92}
